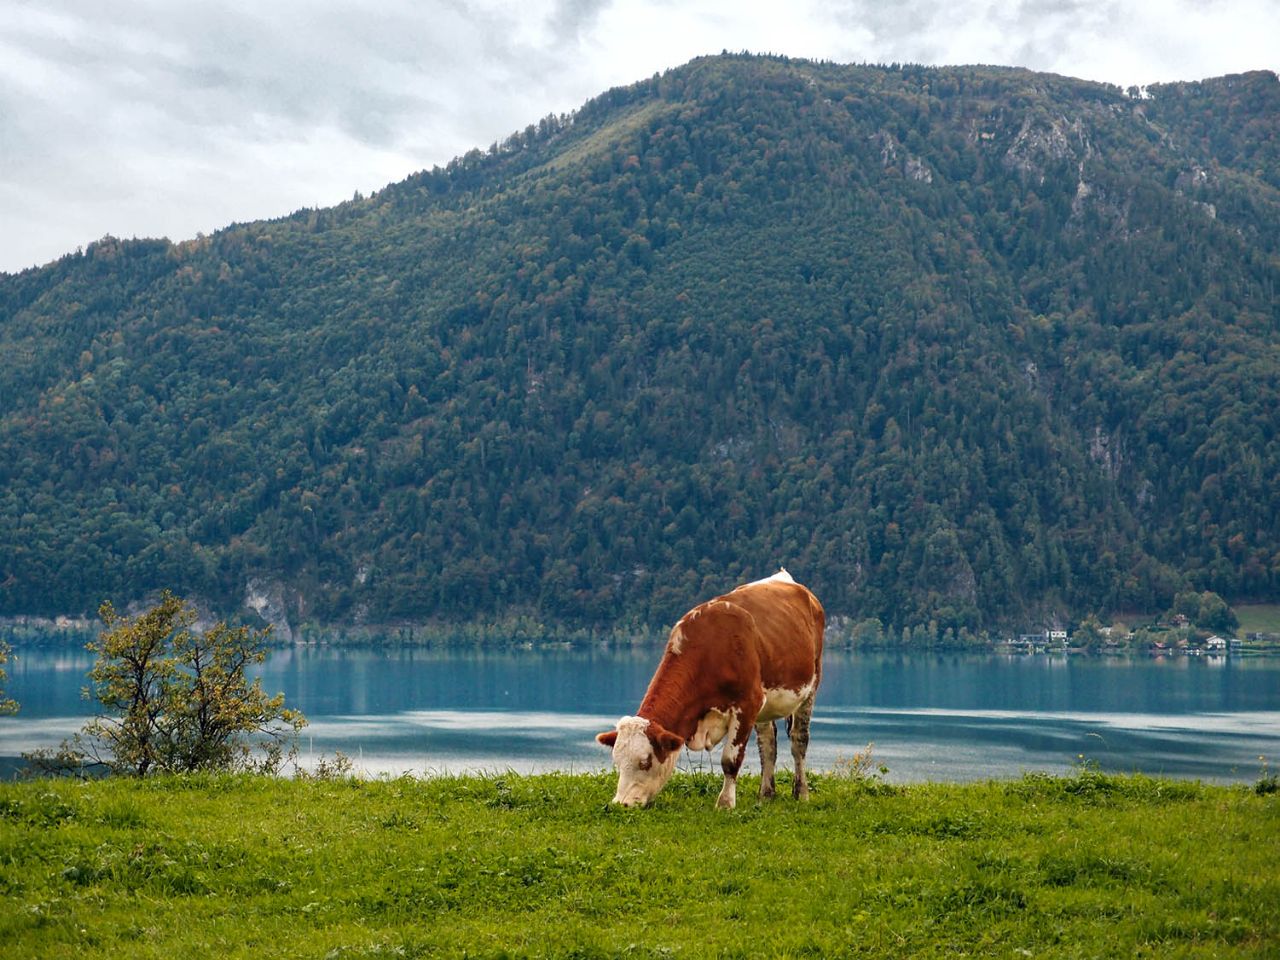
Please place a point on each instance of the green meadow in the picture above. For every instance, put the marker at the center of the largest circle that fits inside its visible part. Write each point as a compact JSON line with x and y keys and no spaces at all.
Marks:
{"x":1258,"y":617}
{"x":1088,"y":865}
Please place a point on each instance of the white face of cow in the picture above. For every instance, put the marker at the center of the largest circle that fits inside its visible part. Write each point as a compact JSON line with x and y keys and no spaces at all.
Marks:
{"x":645,"y":755}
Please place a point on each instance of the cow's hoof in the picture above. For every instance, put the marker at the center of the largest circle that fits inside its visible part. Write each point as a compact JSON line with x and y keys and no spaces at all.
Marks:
{"x":800,"y":791}
{"x":724,"y":803}
{"x":767,"y":794}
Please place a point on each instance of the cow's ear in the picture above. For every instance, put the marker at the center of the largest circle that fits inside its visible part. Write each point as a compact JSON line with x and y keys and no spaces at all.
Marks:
{"x":664,"y":741}
{"x":608,"y":738}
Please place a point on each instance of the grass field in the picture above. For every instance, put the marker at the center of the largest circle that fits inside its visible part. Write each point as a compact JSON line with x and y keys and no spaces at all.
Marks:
{"x":1258,"y":618}
{"x":540,"y":866}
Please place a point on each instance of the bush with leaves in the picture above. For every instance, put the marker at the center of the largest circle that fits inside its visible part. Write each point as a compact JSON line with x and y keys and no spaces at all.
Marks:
{"x":176,"y":700}
{"x":6,"y":704}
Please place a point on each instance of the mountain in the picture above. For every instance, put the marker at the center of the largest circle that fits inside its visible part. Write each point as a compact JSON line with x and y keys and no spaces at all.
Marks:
{"x":961,"y":347}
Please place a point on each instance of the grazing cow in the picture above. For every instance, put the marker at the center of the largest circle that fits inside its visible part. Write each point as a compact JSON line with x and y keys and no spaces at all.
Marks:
{"x":741,"y":660}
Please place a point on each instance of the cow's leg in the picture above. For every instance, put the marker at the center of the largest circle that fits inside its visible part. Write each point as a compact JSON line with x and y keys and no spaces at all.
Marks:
{"x":735,"y":749}
{"x":767,"y":741}
{"x":798,"y":728}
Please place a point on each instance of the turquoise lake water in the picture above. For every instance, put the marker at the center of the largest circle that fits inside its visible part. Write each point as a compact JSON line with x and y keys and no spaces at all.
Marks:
{"x":931,"y":717}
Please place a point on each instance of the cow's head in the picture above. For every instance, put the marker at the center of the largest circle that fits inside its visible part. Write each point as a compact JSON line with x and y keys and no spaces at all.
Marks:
{"x":645,"y":754}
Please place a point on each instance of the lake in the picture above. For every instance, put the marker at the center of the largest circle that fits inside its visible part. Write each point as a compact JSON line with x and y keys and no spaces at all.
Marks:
{"x":948,"y":716}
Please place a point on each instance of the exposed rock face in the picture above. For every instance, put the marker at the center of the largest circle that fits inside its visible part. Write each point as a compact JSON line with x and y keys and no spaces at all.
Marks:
{"x":916,"y":169}
{"x":267,"y":599}
{"x":1191,"y":179}
{"x":1031,"y":376}
{"x":963,"y":584}
{"x":1146,"y":493}
{"x":1108,"y":210}
{"x":733,"y":448}
{"x":205,"y":619}
{"x":888,"y":148}
{"x":894,"y":156}
{"x":1083,"y":192}
{"x":1106,"y":451}
{"x":1043,"y":142}
{"x":1043,"y":146}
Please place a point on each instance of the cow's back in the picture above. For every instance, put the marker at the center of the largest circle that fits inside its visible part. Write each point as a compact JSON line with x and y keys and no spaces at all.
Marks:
{"x":790,"y":623}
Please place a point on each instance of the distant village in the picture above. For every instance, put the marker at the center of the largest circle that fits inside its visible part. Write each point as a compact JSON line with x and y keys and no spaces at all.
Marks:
{"x":1175,"y":635}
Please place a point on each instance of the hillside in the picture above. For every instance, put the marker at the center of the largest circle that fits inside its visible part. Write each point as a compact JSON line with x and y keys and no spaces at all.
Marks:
{"x":959,"y":346}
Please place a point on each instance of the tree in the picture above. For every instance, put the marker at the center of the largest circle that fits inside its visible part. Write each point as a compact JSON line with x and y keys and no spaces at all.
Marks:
{"x":1206,"y":610}
{"x":1088,"y":633}
{"x":176,"y":700}
{"x":868,"y":633}
{"x":6,"y":704}
{"x":1187,"y":603}
{"x":1214,"y":614}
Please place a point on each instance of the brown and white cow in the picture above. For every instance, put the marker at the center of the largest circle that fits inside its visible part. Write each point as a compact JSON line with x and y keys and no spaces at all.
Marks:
{"x":740,"y":661}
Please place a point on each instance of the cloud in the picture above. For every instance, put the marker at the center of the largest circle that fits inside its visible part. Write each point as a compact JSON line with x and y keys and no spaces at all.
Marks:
{"x":1118,"y":41}
{"x":143,"y":117}
{"x":572,"y":17}
{"x":158,"y":119}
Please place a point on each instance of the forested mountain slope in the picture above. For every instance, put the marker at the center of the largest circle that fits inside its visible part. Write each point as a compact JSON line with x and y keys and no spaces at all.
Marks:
{"x":965,"y":346}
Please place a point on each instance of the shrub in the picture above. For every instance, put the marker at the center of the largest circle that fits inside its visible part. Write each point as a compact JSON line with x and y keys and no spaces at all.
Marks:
{"x":6,"y":705}
{"x":176,"y":701}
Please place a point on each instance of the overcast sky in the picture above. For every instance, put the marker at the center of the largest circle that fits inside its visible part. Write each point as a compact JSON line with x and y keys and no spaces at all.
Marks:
{"x":167,"y":118}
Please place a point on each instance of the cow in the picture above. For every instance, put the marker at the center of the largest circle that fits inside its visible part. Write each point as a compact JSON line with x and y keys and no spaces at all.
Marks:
{"x":742,"y":660}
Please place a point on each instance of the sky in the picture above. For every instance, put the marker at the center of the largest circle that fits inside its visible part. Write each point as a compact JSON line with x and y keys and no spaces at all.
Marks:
{"x":164,"y":118}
